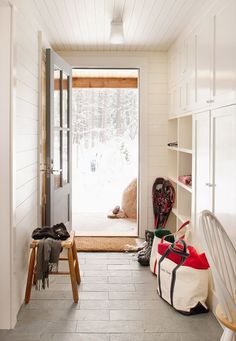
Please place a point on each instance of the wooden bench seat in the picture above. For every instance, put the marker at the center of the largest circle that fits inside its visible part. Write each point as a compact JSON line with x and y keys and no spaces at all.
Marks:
{"x":72,"y":258}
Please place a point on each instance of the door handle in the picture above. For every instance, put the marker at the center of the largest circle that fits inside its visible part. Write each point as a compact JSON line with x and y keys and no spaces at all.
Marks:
{"x":209,"y":184}
{"x":55,"y":170}
{"x":210,"y":101}
{"x":50,"y":170}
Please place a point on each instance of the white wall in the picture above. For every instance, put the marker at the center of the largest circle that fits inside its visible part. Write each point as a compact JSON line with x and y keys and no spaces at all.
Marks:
{"x":153,"y":114}
{"x":5,"y":162}
{"x":19,"y":116}
{"x":26,"y":146}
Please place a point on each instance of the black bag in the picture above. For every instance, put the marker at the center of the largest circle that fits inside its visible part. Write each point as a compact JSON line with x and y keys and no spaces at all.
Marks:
{"x":58,"y":232}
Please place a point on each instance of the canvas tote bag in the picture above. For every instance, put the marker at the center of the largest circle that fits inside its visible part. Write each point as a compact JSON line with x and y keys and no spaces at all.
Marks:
{"x":183,"y":231}
{"x":183,"y":287}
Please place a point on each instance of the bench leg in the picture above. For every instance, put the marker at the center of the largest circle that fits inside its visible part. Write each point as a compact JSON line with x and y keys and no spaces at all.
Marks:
{"x":73,"y":275}
{"x":30,"y":276}
{"x":75,"y":256}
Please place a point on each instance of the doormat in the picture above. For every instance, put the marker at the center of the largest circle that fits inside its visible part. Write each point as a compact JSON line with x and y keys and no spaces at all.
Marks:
{"x":108,"y":244}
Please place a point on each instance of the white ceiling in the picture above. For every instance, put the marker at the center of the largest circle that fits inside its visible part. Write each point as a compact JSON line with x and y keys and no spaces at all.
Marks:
{"x":85,"y":24}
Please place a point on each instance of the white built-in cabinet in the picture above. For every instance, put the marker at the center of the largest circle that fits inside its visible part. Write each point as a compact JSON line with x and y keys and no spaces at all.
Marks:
{"x":202,"y":67}
{"x":223,"y":90}
{"x":202,"y":108}
{"x":214,"y":165}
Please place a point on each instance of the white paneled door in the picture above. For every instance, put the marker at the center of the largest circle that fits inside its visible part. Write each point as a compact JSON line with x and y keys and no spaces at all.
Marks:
{"x":215,"y":165}
{"x":223,"y":123}
{"x":224,"y":53}
{"x":201,"y":165}
{"x":203,"y":62}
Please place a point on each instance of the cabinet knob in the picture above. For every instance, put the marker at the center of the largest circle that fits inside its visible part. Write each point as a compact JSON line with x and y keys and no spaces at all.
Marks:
{"x":210,"y":101}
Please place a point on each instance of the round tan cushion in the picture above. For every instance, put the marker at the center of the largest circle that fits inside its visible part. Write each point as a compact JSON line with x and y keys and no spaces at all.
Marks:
{"x":129,"y":200}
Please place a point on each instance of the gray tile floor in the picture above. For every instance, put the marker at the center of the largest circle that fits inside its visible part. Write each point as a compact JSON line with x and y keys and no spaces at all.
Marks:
{"x":118,"y":302}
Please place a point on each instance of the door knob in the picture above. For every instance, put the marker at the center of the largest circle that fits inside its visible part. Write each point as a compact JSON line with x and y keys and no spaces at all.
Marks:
{"x":55,"y":170}
{"x":209,"y":184}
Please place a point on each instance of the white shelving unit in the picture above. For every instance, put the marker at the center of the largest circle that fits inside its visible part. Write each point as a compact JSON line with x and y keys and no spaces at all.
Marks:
{"x":180,"y":163}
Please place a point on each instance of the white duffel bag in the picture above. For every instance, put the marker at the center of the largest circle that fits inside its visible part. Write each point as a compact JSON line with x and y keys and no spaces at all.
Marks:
{"x":183,"y":231}
{"x":183,"y":287}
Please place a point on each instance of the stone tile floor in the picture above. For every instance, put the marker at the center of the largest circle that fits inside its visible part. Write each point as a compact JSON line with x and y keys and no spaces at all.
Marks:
{"x":118,"y":302}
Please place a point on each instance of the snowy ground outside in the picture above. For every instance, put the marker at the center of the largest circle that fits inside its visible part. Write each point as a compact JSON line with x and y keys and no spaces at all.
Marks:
{"x":101,"y":176}
{"x":105,"y":151}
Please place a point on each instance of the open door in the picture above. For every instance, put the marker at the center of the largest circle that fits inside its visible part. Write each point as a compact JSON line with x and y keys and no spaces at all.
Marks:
{"x":58,"y":140}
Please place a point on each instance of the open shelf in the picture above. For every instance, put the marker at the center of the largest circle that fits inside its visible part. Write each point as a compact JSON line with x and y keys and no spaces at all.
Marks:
{"x":172,"y":165}
{"x":180,"y":163}
{"x":185,"y":150}
{"x":185,"y":164}
{"x":184,"y":204}
{"x":185,"y":132}
{"x":188,"y":188}
{"x":173,"y":130}
{"x":175,"y":149}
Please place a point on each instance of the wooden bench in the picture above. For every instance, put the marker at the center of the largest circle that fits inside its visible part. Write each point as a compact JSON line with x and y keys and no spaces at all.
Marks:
{"x":72,"y":259}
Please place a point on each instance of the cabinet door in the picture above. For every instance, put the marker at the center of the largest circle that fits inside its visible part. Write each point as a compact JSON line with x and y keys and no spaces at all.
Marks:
{"x":182,"y":106}
{"x":191,"y":72}
{"x":203,"y":61}
{"x":201,"y":163}
{"x":224,"y":54}
{"x":224,"y":166}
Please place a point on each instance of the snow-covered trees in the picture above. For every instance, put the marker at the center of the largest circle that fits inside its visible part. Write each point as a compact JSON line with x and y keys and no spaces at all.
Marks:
{"x":101,"y":114}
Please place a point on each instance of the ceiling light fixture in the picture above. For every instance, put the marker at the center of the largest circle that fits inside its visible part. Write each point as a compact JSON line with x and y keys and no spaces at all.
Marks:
{"x":117,"y":33}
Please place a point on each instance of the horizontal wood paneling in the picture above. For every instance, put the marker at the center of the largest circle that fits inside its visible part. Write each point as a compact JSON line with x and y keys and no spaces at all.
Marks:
{"x":26,"y":77}
{"x":27,"y":93}
{"x":26,"y":109}
{"x":25,"y":141}
{"x":25,"y":174}
{"x":26,"y":126}
{"x":108,"y":82}
{"x":25,"y":191}
{"x":85,"y":24}
{"x":27,"y":207}
{"x":26,"y":158}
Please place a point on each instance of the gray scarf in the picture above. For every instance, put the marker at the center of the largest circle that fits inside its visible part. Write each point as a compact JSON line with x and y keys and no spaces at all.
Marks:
{"x":47,"y":260}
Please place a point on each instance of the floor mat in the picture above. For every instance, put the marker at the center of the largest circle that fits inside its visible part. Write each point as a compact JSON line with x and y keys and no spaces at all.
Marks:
{"x":108,"y":244}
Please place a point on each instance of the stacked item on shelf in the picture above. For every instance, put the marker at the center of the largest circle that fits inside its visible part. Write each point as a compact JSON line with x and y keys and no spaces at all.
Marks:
{"x":185,"y":179}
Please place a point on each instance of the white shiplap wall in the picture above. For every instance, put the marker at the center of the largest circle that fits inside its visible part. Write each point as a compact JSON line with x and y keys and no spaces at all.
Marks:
{"x":153,"y":113}
{"x":5,"y":162}
{"x":25,"y":125}
{"x":157,"y":123}
{"x":26,"y":145}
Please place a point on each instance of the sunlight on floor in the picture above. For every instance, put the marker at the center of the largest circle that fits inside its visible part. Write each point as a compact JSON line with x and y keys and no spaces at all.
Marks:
{"x":97,"y":224}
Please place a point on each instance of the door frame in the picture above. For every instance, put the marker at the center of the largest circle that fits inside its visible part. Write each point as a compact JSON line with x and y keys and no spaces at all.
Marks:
{"x":115,"y":61}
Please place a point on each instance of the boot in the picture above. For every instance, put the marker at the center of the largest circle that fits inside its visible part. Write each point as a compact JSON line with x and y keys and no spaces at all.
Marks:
{"x":148,"y":235}
{"x":144,"y":256}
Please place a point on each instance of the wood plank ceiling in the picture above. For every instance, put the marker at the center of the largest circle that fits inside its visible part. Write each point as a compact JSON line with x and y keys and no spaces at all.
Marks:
{"x":85,"y":24}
